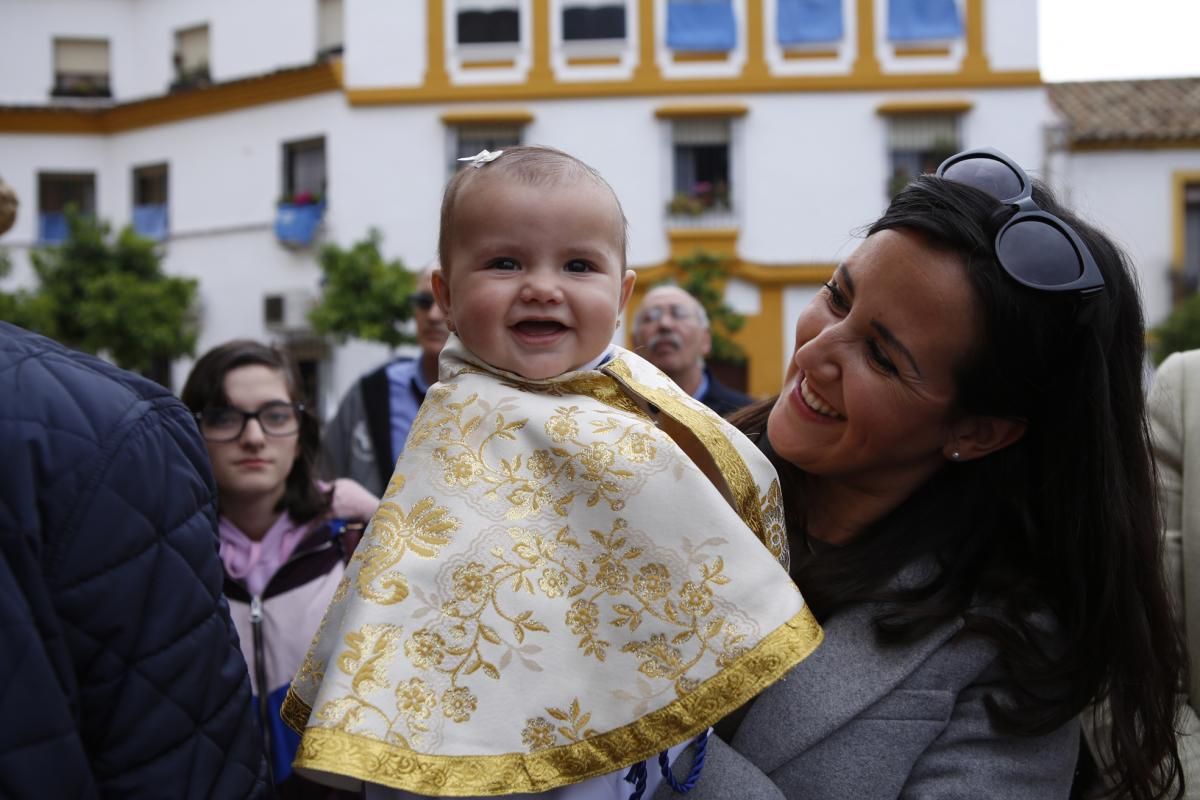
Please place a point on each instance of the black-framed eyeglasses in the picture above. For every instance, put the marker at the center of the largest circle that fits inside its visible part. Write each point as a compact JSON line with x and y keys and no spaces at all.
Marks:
{"x":1036,"y":248}
{"x":678,"y":311}
{"x":422,"y":300}
{"x":225,"y":423}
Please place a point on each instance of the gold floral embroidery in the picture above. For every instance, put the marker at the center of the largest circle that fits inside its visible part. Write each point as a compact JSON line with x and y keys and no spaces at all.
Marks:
{"x":423,"y":530}
{"x":774,"y":524}
{"x":539,"y":732}
{"x":547,"y":478}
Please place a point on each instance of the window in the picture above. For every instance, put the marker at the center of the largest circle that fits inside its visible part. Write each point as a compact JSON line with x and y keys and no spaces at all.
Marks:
{"x":191,"y":58}
{"x":917,"y":144}
{"x":701,"y":182}
{"x":56,"y":193}
{"x":470,"y":139}
{"x":802,"y":22}
{"x":150,"y":201}
{"x":304,"y":172}
{"x":488,"y":22}
{"x":81,"y":68}
{"x":701,"y":25}
{"x":584,"y":20}
{"x":923,"y":20}
{"x":330,"y":38}
{"x":1190,"y":269}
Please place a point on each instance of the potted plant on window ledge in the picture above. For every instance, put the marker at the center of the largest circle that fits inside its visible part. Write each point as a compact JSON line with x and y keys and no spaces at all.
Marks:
{"x":704,"y":197}
{"x":298,"y":218}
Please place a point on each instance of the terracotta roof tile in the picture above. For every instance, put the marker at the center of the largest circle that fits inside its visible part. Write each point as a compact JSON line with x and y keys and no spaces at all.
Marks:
{"x":1112,"y":112}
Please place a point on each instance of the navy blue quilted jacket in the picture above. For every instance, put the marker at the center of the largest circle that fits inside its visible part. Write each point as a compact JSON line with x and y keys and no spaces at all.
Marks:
{"x":120,"y":674}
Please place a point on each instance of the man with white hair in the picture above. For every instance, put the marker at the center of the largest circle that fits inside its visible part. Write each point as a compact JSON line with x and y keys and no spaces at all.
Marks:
{"x":366,"y":436}
{"x":671,"y":331}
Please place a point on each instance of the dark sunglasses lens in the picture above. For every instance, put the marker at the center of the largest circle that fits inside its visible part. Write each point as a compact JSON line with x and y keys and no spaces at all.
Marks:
{"x":987,"y":174}
{"x":422,"y":300}
{"x":1038,"y":253}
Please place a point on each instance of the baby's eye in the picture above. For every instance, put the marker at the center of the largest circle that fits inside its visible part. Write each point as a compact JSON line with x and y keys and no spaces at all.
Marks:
{"x":503,"y":264}
{"x":577,"y":266}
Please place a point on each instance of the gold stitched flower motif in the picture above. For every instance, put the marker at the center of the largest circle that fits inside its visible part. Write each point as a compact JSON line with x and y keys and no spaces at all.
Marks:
{"x":596,"y":458}
{"x":540,"y":464}
{"x":472,"y":582}
{"x":612,"y":576}
{"x":637,"y":447}
{"x":695,"y":598}
{"x":425,"y":649}
{"x":461,"y":470}
{"x":414,"y":699}
{"x":538,"y":734}
{"x":423,"y":530}
{"x":562,"y":427}
{"x":553,"y":582}
{"x":583,"y":617}
{"x":652,"y":581}
{"x":458,"y":703}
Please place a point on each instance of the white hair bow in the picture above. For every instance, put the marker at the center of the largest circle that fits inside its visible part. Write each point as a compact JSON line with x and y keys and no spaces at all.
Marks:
{"x":482,"y":157}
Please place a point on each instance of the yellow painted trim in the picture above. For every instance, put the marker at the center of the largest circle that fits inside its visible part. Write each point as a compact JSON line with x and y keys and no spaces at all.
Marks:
{"x":921,"y":52}
{"x":900,"y":107}
{"x":541,"y":72}
{"x":975,"y":62}
{"x":494,"y":63}
{"x":705,"y":110}
{"x":690,"y":56}
{"x":437,"y":79}
{"x":219,"y":98}
{"x":755,"y":67}
{"x":488,"y":116}
{"x":1136,"y":144}
{"x":809,"y":55}
{"x":784,"y":274}
{"x":647,"y":72}
{"x":683,"y":242}
{"x":762,"y":340}
{"x":1180,"y":179}
{"x":593,"y":61}
{"x":640,"y":87}
{"x":866,"y":62}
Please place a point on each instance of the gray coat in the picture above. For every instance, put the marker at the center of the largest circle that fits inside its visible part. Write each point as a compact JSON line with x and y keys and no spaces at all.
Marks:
{"x":858,"y":720}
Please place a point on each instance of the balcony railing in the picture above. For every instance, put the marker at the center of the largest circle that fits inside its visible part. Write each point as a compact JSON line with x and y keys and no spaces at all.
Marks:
{"x":297,"y":224}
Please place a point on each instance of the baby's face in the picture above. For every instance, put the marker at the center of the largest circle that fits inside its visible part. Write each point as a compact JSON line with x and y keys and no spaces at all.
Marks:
{"x":535,"y":283}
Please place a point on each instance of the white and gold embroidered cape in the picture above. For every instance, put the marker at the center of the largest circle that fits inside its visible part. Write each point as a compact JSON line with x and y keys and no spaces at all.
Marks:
{"x":565,"y":577}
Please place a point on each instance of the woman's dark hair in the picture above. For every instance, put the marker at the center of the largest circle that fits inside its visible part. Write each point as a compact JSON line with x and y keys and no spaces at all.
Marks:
{"x":1057,"y":534}
{"x":205,"y":388}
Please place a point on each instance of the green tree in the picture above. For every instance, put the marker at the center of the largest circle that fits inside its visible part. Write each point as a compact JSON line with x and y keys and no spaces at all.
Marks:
{"x":363,"y":296}
{"x":703,"y":278}
{"x":1179,"y":331}
{"x":106,"y":294}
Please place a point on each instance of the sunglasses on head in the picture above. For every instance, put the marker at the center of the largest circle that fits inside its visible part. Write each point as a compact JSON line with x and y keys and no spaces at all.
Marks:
{"x":1036,"y":248}
{"x":421,"y":300}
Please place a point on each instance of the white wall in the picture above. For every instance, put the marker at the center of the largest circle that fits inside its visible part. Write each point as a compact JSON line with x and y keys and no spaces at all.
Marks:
{"x":1129,"y":194}
{"x":246,"y":38}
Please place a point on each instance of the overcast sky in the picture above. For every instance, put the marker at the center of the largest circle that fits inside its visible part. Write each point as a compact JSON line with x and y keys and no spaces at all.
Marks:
{"x":1100,"y":39}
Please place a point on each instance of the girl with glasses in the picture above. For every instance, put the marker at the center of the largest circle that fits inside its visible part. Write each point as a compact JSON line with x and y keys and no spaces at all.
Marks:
{"x":285,"y":536}
{"x":963,"y":447}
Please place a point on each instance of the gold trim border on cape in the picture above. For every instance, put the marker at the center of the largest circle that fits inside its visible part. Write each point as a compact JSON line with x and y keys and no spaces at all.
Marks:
{"x":378,"y":762}
{"x":714,"y":440}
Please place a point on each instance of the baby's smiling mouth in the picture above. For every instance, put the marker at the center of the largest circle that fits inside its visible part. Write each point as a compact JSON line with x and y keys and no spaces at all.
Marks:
{"x":539,"y":327}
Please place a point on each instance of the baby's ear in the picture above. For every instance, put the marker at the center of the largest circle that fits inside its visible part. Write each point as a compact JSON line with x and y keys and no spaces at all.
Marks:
{"x":627,"y":282}
{"x":441,"y":290}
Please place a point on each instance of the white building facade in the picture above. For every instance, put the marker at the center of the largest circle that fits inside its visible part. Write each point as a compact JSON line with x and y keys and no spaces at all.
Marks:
{"x":767,"y":132}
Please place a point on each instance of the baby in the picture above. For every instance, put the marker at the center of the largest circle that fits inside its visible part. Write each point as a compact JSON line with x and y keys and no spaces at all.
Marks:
{"x":575,"y":565}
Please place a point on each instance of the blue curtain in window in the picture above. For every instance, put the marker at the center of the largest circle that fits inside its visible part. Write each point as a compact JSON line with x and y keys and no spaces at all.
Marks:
{"x":809,"y":21}
{"x":701,"y":25}
{"x":921,"y":20}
